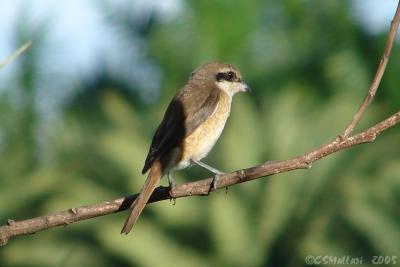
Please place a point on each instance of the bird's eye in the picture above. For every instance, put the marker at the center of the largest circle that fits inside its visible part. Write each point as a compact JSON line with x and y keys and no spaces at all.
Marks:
{"x":230,"y":75}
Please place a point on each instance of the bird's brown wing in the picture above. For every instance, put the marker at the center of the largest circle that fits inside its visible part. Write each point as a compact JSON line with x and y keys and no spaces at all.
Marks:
{"x":187,"y":110}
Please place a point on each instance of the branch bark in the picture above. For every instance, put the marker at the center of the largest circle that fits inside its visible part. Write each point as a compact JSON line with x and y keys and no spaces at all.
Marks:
{"x":202,"y":187}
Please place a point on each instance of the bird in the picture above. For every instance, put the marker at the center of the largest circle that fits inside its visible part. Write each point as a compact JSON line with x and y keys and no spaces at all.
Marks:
{"x":192,"y":124}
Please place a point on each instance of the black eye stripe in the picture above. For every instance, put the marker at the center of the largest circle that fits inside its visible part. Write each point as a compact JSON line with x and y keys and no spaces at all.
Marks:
{"x":220,"y":76}
{"x":227,"y":76}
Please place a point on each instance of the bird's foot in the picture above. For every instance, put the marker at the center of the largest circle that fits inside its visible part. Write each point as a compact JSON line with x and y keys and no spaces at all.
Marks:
{"x":171,"y":183}
{"x":172,"y":194}
{"x":173,"y":200}
{"x":172,"y":197}
{"x":214,"y":183}
{"x":217,"y":174}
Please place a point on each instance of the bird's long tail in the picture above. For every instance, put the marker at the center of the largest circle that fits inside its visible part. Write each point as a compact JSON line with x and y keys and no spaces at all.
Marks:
{"x":144,"y":196}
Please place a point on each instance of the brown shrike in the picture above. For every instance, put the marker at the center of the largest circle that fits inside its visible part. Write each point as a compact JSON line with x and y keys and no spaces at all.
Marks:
{"x":191,"y":126}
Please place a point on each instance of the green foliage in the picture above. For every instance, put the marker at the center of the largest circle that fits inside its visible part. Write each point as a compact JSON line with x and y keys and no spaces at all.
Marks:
{"x":309,"y":70}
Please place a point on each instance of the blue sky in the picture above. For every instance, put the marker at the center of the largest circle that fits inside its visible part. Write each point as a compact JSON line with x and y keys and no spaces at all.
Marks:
{"x":68,"y":16}
{"x":79,"y":38}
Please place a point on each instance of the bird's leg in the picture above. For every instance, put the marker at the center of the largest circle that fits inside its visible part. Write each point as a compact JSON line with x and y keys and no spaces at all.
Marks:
{"x":171,"y":186}
{"x":217,"y":173}
{"x":171,"y":180}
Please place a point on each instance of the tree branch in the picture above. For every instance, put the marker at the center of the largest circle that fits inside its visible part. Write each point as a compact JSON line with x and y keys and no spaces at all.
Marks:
{"x":378,"y":75}
{"x":14,"y":55}
{"x":197,"y":188}
{"x":202,"y":187}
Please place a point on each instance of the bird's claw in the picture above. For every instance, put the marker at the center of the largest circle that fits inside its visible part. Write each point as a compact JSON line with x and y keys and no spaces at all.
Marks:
{"x":171,"y":193}
{"x":214,"y":183}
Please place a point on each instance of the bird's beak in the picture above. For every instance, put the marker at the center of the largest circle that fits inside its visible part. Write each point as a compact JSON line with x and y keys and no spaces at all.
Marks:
{"x":246,"y":87}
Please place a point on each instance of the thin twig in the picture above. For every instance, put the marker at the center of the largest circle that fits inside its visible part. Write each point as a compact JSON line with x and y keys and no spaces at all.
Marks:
{"x":378,"y":75}
{"x":14,"y":55}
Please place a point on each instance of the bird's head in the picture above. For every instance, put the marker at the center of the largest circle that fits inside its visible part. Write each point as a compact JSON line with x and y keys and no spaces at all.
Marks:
{"x":224,"y":76}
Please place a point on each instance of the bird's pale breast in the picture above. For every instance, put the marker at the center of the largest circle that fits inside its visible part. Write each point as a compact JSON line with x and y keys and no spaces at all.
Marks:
{"x":199,"y":143}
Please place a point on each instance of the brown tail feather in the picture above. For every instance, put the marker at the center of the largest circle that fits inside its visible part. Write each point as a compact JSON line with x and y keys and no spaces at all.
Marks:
{"x":139,"y":203}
